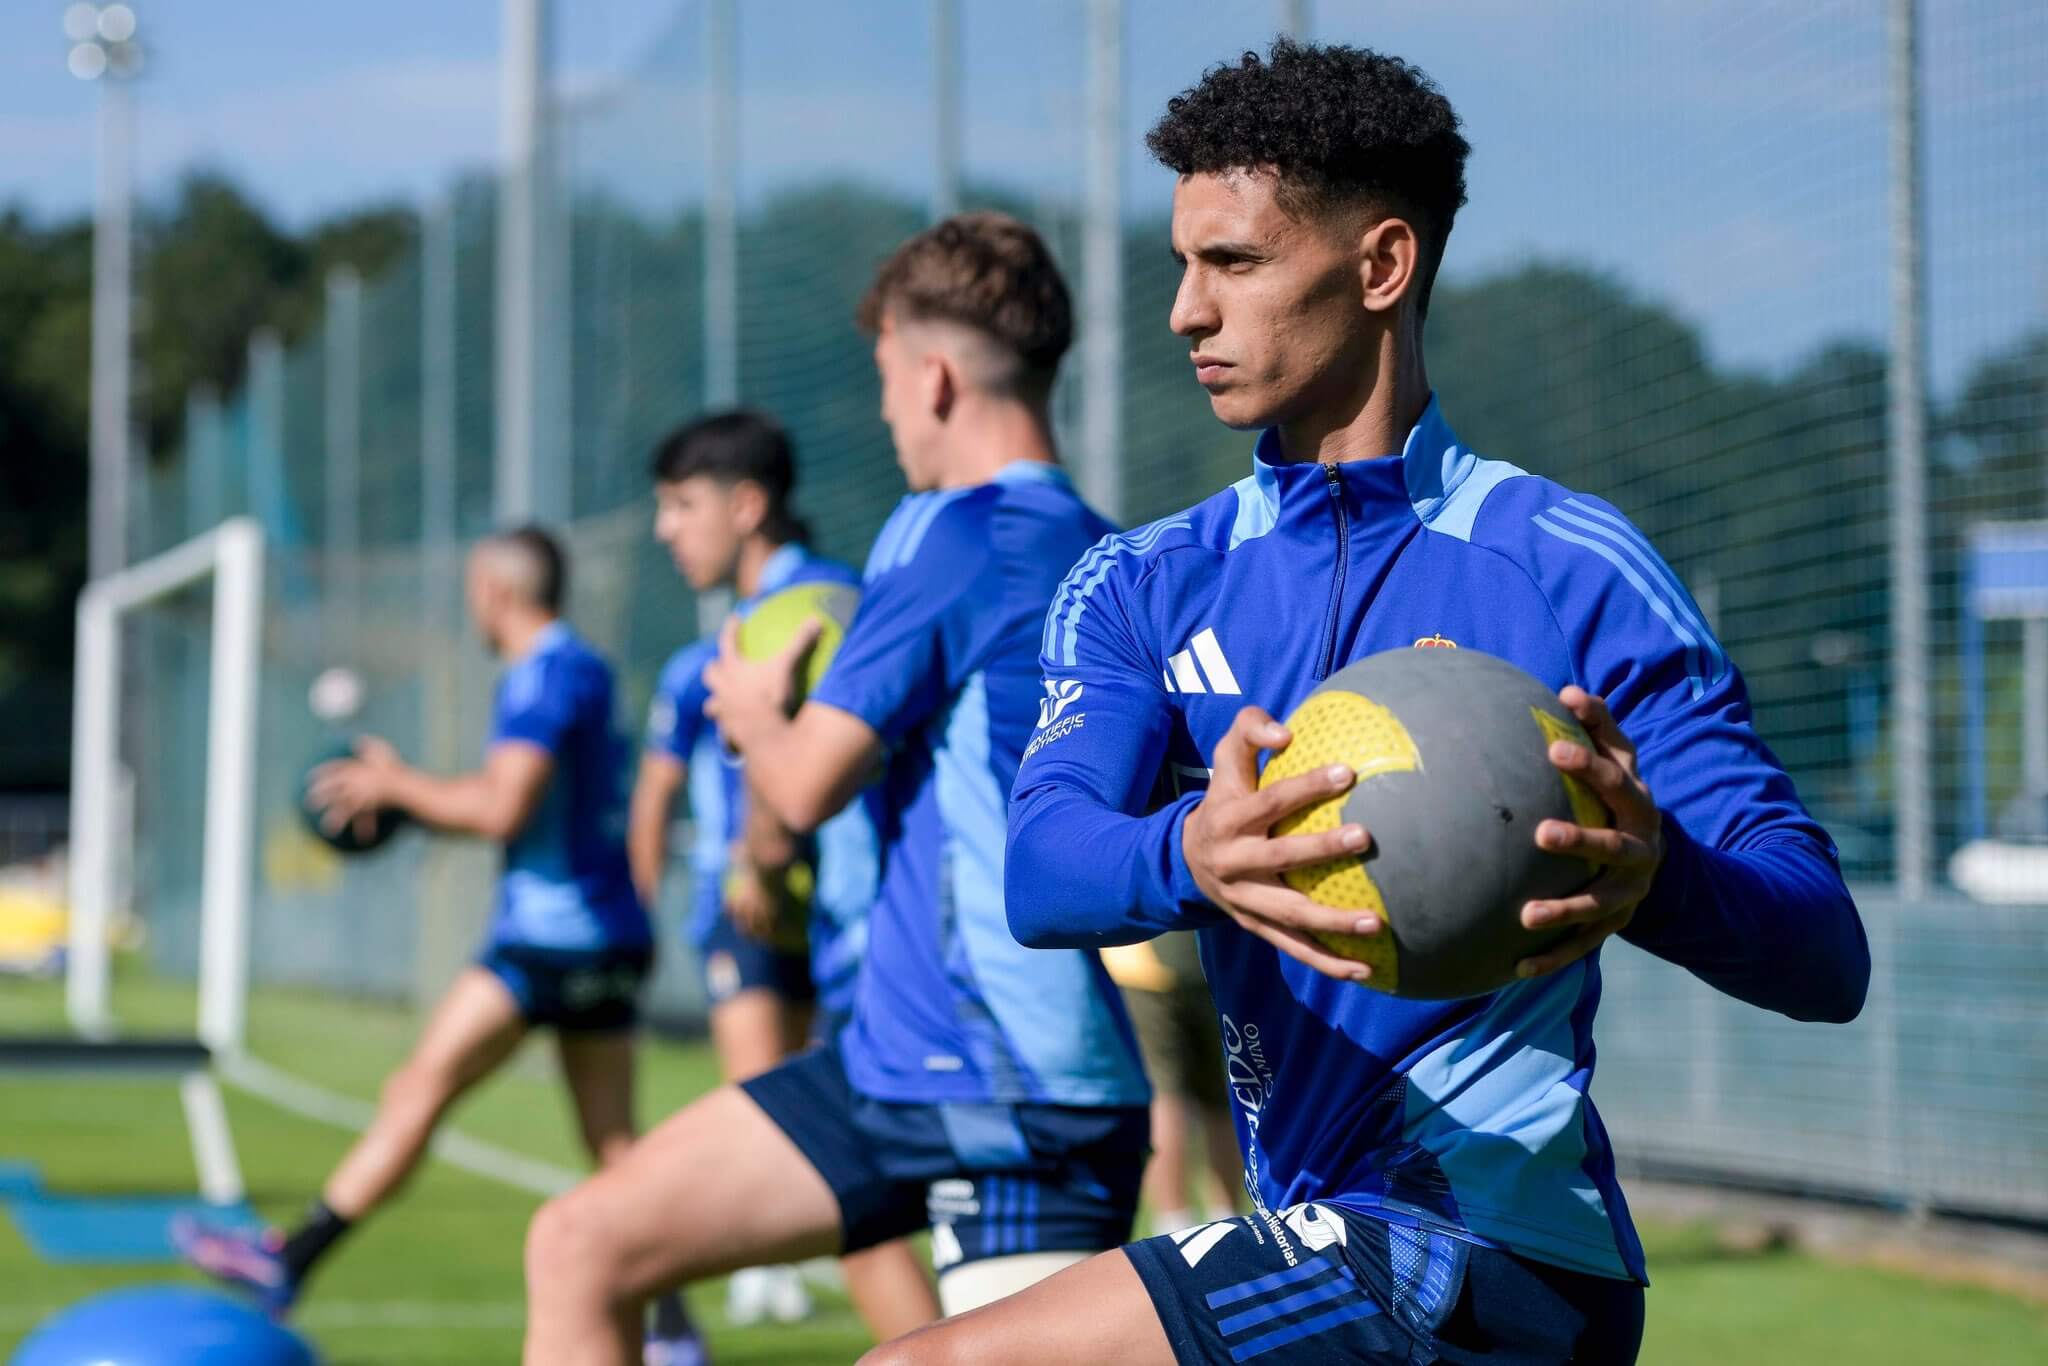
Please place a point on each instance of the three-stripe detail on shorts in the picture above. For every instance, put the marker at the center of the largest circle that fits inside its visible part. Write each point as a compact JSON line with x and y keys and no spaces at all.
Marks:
{"x":1281,"y":1308}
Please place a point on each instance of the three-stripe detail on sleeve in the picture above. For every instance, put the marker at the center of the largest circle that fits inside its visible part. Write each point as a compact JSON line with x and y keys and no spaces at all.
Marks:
{"x":1062,"y":622}
{"x":1579,"y":523}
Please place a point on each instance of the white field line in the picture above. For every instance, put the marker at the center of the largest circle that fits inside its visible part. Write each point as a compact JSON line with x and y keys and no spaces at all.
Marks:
{"x":303,"y":1098}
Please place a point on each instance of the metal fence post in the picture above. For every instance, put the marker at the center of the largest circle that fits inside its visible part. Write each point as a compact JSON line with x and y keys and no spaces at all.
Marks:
{"x":946,"y":107}
{"x":1906,"y":383}
{"x":341,"y":529}
{"x":721,"y":207}
{"x":1099,"y":461}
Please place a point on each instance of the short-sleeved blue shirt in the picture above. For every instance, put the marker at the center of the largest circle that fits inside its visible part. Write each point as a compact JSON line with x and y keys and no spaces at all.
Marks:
{"x":941,"y":661}
{"x":844,"y":847}
{"x":566,"y":883}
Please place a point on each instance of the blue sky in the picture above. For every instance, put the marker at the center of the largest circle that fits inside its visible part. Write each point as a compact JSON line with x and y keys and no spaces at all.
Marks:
{"x":1727,"y":158}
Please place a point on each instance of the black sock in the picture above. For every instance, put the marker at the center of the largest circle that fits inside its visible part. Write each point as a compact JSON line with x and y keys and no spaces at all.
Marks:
{"x":671,"y":1319}
{"x":306,"y":1244}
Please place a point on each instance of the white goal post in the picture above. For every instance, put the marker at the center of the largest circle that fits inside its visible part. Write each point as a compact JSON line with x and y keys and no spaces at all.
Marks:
{"x":232,"y":554}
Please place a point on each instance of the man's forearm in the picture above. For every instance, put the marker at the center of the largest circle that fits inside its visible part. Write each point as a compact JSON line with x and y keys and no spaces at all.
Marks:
{"x":647,"y":856}
{"x":1080,"y":875}
{"x":461,"y":805}
{"x":1772,"y":925}
{"x":800,"y":788}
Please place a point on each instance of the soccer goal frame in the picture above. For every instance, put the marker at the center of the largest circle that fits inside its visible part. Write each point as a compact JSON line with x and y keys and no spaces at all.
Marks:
{"x":232,"y":556}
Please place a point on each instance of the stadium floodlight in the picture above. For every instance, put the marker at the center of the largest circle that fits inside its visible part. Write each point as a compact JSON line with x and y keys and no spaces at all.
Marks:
{"x":81,"y":22}
{"x":232,"y":556}
{"x":104,"y":44}
{"x":103,"y":41}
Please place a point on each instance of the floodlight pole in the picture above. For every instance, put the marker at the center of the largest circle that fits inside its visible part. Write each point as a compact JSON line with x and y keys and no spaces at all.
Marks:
{"x":721,"y":206}
{"x":112,"y":285}
{"x":1906,"y":383}
{"x":946,"y":108}
{"x":522,"y":137}
{"x":1099,"y":461}
{"x":1295,"y":19}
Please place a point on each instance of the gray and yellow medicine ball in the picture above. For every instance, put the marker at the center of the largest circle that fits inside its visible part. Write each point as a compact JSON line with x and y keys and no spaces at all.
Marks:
{"x":773,"y":622}
{"x":1451,"y":748}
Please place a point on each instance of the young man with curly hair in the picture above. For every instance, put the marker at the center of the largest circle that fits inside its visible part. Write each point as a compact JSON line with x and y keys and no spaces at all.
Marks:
{"x":986,"y":1090}
{"x":1430,"y":1179}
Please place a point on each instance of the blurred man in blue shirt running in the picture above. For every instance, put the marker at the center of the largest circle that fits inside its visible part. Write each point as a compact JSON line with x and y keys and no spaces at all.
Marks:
{"x":722,"y":488}
{"x":989,"y":1091}
{"x":1430,"y":1179}
{"x":568,"y":946}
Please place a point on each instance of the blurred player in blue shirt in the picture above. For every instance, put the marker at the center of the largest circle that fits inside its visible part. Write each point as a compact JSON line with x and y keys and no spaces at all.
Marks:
{"x":1430,"y":1179}
{"x":987,"y":1090}
{"x":568,"y":945}
{"x":722,"y":488}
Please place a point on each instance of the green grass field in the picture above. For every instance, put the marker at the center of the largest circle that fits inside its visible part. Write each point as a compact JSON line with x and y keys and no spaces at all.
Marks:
{"x":436,"y":1279}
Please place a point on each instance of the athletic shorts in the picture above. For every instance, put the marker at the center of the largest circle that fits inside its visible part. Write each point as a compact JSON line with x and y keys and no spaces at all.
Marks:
{"x":578,"y":991}
{"x":734,"y":963}
{"x":988,"y":1180}
{"x":1178,"y":1035}
{"x":1316,"y":1283}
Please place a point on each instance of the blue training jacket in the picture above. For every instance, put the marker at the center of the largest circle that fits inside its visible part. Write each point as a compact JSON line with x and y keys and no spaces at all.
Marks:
{"x":1470,"y":1117}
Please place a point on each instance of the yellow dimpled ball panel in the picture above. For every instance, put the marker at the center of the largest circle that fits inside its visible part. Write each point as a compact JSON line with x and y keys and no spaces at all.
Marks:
{"x":1587,"y":808}
{"x":1343,"y":728}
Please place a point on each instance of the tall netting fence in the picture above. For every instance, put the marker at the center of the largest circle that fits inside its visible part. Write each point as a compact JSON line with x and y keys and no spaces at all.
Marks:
{"x":1674,"y":286}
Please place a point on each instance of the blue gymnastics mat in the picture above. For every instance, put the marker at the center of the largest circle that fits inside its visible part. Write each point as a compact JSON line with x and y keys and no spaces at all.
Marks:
{"x":102,"y":1228}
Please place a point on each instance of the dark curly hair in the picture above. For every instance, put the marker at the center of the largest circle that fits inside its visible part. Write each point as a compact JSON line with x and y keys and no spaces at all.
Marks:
{"x":1339,"y":126}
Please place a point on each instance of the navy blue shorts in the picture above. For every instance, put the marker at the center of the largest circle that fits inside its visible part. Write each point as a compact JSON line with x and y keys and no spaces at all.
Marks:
{"x":733,"y":963}
{"x":1323,"y":1284}
{"x":579,"y":991}
{"x":989,"y":1180}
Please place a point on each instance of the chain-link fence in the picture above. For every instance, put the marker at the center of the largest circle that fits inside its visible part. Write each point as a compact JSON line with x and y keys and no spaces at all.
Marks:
{"x":1698,"y":266}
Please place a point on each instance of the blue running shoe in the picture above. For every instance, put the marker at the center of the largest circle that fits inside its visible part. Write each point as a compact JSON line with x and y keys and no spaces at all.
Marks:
{"x":250,"y":1259}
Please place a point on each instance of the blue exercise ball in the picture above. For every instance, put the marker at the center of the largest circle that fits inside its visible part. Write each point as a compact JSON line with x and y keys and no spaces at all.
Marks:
{"x":163,"y":1325}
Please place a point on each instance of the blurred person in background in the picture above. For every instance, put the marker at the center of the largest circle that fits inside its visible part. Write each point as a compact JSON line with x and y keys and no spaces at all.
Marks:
{"x":569,"y":945}
{"x":1430,"y":1179}
{"x":722,"y":489}
{"x":989,"y":1092}
{"x":1170,"y":1007}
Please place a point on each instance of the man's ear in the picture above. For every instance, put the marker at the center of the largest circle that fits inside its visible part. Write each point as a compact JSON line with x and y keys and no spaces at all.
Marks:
{"x":1389,"y":259}
{"x":747,"y":502}
{"x":940,"y":383}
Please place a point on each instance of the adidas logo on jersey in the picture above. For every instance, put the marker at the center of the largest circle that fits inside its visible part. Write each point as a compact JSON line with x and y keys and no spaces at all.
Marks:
{"x":1201,"y":667}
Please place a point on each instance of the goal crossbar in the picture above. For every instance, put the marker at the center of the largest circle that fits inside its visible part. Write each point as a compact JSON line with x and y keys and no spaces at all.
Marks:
{"x":232,"y":555}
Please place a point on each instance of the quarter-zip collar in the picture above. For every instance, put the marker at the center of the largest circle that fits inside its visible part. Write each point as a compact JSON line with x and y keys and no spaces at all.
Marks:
{"x":1418,"y":482}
